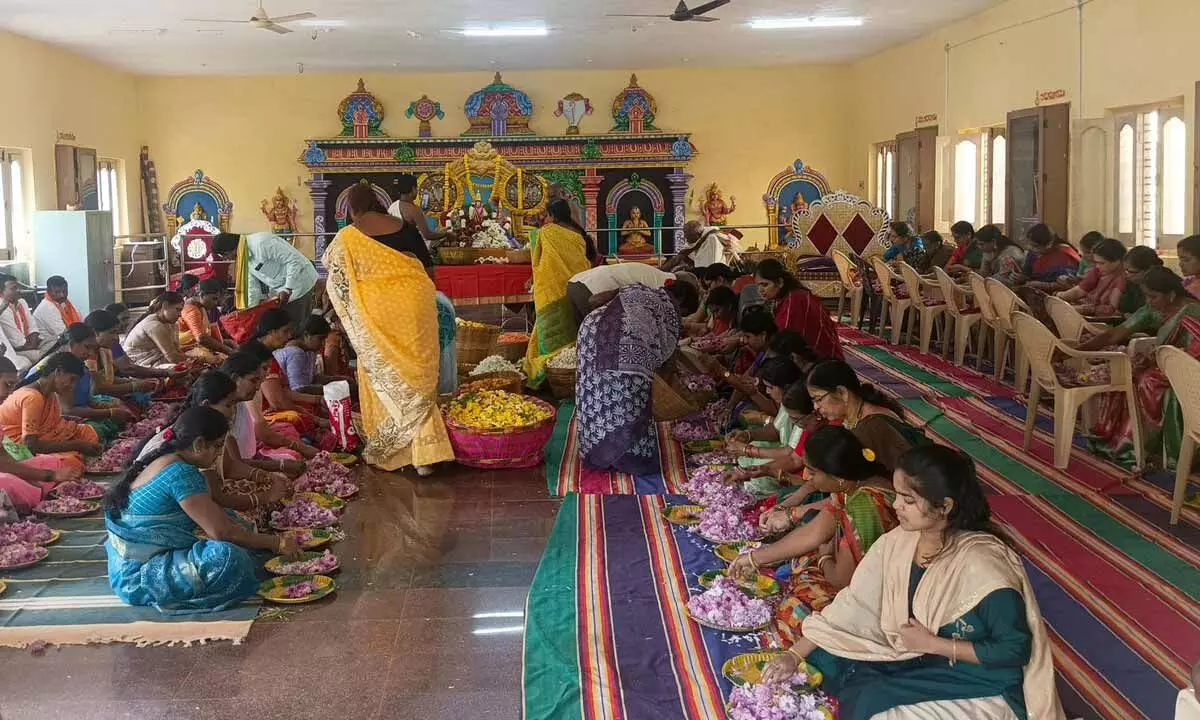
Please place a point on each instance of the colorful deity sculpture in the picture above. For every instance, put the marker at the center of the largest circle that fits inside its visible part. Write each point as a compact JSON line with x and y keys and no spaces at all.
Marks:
{"x":635,"y":234}
{"x":713,"y":207}
{"x":361,"y":114}
{"x":634,"y":109}
{"x":281,"y":213}
{"x":424,"y":110}
{"x":498,"y":110}
{"x":574,"y":108}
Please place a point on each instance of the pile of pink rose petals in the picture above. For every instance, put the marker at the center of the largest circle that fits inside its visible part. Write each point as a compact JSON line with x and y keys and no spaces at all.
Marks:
{"x":323,"y":563}
{"x":152,"y":420}
{"x":26,"y":531}
{"x":779,"y":701}
{"x":64,"y":505}
{"x":115,"y":458}
{"x":300,"y":590}
{"x":724,"y":524}
{"x":303,"y":513}
{"x":80,"y":490}
{"x":323,"y":475}
{"x":697,"y":382}
{"x":20,"y":554}
{"x":716,"y":457}
{"x":725,"y":605}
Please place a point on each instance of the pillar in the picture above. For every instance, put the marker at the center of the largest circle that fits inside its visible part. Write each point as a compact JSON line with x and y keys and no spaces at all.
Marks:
{"x":591,"y":193}
{"x":318,"y":190}
{"x":680,"y":180}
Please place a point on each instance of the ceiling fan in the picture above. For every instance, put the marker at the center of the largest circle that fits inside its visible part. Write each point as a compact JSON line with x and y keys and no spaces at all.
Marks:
{"x":260,"y":19}
{"x":684,"y":14}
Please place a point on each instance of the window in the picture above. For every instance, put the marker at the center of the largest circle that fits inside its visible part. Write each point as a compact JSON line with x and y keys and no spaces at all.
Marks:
{"x":110,"y":197}
{"x":966,"y":181}
{"x":885,"y":177}
{"x":997,"y":177}
{"x":13,"y":225}
{"x":1151,"y":183}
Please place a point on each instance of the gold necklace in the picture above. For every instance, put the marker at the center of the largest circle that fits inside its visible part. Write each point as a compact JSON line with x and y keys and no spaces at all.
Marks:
{"x":853,"y":414}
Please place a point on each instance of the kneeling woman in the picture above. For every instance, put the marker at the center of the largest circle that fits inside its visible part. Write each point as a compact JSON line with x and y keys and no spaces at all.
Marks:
{"x":152,"y":515}
{"x":939,"y":620}
{"x":621,"y":345}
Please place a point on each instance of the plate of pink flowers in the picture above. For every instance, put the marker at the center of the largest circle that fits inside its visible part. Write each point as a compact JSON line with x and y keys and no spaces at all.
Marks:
{"x":80,"y":490}
{"x":66,"y":507}
{"x":778,"y":701}
{"x":296,"y":589}
{"x":309,"y":563}
{"x":21,"y":555}
{"x":301,"y":514}
{"x":28,"y":531}
{"x":724,"y":524}
{"x":725,"y":607}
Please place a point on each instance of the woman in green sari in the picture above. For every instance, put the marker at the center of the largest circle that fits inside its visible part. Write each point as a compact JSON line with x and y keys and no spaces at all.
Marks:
{"x":1173,"y":315}
{"x":939,"y":621}
{"x":824,"y":552}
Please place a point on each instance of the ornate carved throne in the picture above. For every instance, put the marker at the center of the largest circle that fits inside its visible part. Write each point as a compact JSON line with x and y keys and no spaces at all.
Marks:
{"x":197,"y":209}
{"x":838,"y":221}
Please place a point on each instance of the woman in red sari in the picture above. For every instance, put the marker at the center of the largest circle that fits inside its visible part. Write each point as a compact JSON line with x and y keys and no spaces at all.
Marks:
{"x":797,"y":309}
{"x":283,"y":407}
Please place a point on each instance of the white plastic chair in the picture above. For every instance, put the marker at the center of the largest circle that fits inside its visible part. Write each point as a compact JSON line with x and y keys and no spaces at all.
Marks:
{"x":1070,"y":323}
{"x":897,"y":306}
{"x":1005,"y":302}
{"x":852,"y":286}
{"x":989,"y":329}
{"x":958,"y":317}
{"x":1040,"y":345}
{"x":926,"y":308}
{"x":1183,"y":371}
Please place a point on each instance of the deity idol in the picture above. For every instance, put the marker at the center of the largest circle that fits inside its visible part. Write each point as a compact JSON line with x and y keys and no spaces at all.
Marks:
{"x":635,"y":235}
{"x":198,"y":213}
{"x":477,"y":213}
{"x":714,"y":209}
{"x":280,"y":213}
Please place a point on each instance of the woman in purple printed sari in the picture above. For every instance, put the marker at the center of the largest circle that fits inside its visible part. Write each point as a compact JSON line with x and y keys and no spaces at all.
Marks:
{"x":621,"y":345}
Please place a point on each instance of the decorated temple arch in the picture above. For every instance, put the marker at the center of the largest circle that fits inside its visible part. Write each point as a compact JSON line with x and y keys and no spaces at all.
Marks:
{"x":623,"y":199}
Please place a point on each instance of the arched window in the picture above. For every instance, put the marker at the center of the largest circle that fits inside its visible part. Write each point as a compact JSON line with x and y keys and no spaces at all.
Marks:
{"x":966,"y":181}
{"x":1174,"y":175}
{"x":999,"y":178}
{"x":1126,"y":180}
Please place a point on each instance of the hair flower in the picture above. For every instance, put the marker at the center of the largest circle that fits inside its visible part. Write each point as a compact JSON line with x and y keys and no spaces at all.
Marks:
{"x":169,"y":434}
{"x":869,"y":454}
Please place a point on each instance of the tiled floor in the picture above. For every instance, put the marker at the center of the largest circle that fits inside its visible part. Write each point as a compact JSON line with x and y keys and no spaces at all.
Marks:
{"x":426,"y":624}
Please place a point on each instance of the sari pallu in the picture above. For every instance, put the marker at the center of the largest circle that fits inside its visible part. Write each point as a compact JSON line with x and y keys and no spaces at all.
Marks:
{"x":621,"y":346}
{"x":559,"y":254}
{"x":862,"y":518}
{"x":803,"y":312}
{"x":448,"y":357}
{"x":866,"y":666}
{"x":370,"y":286}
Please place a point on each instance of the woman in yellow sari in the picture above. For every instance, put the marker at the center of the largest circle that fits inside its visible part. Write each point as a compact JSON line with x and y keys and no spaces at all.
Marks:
{"x":371,"y":286}
{"x":561,"y":249}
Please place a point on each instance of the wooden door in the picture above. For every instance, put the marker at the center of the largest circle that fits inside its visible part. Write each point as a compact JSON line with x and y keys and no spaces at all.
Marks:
{"x":916,"y":182}
{"x":1056,"y":166}
{"x":926,"y":177}
{"x":1039,"y":168}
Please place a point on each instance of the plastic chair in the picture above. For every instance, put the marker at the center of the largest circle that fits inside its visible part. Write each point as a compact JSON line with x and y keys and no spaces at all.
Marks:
{"x":1070,"y":323}
{"x":1183,"y":371}
{"x":852,"y":286}
{"x":1005,"y":302}
{"x":1040,"y":346}
{"x":990,"y":327}
{"x":958,"y":316}
{"x":928,"y":308}
{"x":898,"y":306}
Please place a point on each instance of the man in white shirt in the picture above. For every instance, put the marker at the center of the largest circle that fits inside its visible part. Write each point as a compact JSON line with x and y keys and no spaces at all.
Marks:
{"x":55,"y":312}
{"x":706,"y":245}
{"x":273,"y":269}
{"x":592,"y":288}
{"x":22,"y":342}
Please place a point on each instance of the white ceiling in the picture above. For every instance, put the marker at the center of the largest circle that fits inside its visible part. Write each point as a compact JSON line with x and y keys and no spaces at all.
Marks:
{"x":147,"y":36}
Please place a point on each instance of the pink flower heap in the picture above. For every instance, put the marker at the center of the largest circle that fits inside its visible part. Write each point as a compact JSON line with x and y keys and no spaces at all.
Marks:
{"x":324,"y":475}
{"x":726,"y":606}
{"x":685,"y":430}
{"x":716,"y":457}
{"x":709,"y":343}
{"x":303,"y":513}
{"x":707,"y":489}
{"x":64,"y":505}
{"x":155,"y":417}
{"x":722,"y":524}
{"x":20,"y":554}
{"x":299,"y":590}
{"x":79,"y":490}
{"x":697,"y":382}
{"x":26,"y":531}
{"x":116,"y":457}
{"x":777,"y":701}
{"x":323,"y":563}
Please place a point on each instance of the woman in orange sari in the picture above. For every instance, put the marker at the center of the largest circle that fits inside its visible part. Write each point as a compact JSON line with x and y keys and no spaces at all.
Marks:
{"x":198,"y":337}
{"x":32,"y":415}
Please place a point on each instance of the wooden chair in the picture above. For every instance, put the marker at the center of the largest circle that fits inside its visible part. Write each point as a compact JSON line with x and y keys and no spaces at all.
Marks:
{"x":1005,"y":302}
{"x":1040,"y":346}
{"x":1070,"y":323}
{"x":1183,"y":371}
{"x":959,"y":316}
{"x":892,"y":303}
{"x":852,"y":286}
{"x":989,"y":329}
{"x":926,"y":308}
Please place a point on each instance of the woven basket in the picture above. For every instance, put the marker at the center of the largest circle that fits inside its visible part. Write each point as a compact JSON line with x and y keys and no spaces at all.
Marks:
{"x":668,"y":402}
{"x":467,"y":255}
{"x":473,"y":343}
{"x":513,"y":352}
{"x":520,"y":257}
{"x":516,"y":448}
{"x":513,"y":382}
{"x":561,"y":381}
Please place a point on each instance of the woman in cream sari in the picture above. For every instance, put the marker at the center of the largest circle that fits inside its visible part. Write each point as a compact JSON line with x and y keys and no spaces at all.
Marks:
{"x":939,"y":621}
{"x":561,"y":249}
{"x":372,"y":286}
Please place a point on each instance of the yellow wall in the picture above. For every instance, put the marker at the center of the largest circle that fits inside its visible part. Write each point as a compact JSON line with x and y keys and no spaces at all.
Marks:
{"x":247,"y":132}
{"x":45,"y":90}
{"x":1133,"y":52}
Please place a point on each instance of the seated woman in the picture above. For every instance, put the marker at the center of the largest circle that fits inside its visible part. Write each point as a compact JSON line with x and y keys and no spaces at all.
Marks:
{"x":105,"y":414}
{"x":824,"y":552}
{"x":123,"y":366}
{"x":967,"y":255}
{"x":905,"y":246}
{"x":711,"y":277}
{"x":103,"y":366}
{"x":281,"y":404}
{"x":1174,"y":316}
{"x":778,"y":436}
{"x":1087,"y":245}
{"x":1137,"y":261}
{"x":874,"y":418}
{"x":25,"y":477}
{"x":939,"y":621}
{"x":199,"y":338}
{"x":32,"y":415}
{"x":1189,"y":263}
{"x":152,"y":515}
{"x":795,"y":308}
{"x":746,"y":404}
{"x":255,"y":433}
{"x":298,"y":359}
{"x":621,"y":346}
{"x":937,"y":252}
{"x":720,"y":315}
{"x":1003,"y":259}
{"x":1050,"y":259}
{"x":1101,"y":289}
{"x":154,"y":340}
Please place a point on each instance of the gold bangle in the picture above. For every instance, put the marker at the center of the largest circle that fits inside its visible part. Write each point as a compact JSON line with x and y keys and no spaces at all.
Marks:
{"x":953,"y":651}
{"x":792,"y":651}
{"x":822,"y":559}
{"x":750,"y":557}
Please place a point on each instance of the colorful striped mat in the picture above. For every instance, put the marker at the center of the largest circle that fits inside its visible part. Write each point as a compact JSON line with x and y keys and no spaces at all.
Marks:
{"x":566,"y":474}
{"x":66,"y":600}
{"x":606,"y":632}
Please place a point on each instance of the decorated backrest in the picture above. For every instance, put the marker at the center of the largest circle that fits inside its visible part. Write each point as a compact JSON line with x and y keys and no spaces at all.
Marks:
{"x":197,"y":209}
{"x":839,"y":221}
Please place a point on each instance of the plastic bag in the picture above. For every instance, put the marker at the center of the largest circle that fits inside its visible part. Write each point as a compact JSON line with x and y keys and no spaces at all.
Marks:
{"x":341,"y":423}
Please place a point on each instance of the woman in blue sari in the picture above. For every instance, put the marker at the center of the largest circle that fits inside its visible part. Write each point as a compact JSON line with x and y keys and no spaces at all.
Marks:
{"x":152,"y":515}
{"x":621,"y":345}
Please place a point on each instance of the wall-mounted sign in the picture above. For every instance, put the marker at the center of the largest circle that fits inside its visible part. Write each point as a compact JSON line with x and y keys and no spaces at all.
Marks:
{"x":927,"y":119}
{"x":66,"y":137}
{"x":1045,"y":97}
